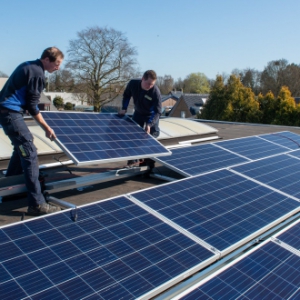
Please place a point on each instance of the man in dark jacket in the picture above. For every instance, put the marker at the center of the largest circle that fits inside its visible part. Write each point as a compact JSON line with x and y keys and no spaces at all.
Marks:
{"x":147,"y":103}
{"x":20,"y":93}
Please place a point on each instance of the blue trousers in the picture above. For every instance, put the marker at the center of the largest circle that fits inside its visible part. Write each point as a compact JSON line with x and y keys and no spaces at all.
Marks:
{"x":141,"y":120}
{"x":24,"y":157}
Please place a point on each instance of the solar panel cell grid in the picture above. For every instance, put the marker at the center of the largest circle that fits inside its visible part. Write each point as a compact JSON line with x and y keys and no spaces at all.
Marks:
{"x":120,"y":248}
{"x":252,"y":147}
{"x":200,"y":159}
{"x":291,"y":236}
{"x":89,"y":137}
{"x":281,"y":172}
{"x":220,"y":208}
{"x":270,"y":272}
{"x":287,"y":139}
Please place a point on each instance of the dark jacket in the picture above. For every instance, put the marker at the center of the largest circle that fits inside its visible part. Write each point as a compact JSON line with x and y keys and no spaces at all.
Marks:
{"x":146,"y":103}
{"x":23,"y":88}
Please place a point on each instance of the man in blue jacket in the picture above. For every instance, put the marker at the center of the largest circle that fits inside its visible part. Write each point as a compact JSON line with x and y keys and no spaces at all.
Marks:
{"x":20,"y":93}
{"x":147,"y":104}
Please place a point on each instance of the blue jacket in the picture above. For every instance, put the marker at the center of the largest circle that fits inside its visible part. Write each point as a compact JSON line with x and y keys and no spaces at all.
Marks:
{"x":23,"y":88}
{"x":146,"y":103}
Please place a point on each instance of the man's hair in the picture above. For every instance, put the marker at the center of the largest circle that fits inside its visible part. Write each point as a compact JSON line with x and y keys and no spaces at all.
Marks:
{"x":52,"y":53}
{"x":151,"y":74}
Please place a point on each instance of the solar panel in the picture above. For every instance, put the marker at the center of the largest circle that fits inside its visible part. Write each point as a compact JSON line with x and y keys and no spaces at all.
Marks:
{"x":295,"y":153}
{"x":252,"y":147}
{"x":90,"y":137}
{"x":281,"y":172}
{"x":269,"y":272}
{"x":116,"y":249}
{"x":287,"y":139}
{"x":291,"y":236}
{"x":199,"y":159}
{"x":221,"y":208}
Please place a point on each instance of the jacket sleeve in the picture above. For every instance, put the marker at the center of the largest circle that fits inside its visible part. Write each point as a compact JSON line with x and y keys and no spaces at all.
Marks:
{"x":156,"y":111}
{"x":34,"y":89}
{"x":127,"y":96}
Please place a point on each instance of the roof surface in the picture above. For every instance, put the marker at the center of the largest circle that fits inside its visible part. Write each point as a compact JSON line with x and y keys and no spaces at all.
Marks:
{"x":13,"y":207}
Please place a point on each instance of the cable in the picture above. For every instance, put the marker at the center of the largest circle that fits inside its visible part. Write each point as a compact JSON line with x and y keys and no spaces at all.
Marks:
{"x":287,"y":138}
{"x":66,"y":168}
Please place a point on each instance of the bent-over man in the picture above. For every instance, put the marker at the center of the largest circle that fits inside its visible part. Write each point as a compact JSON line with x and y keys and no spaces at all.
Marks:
{"x":20,"y":93}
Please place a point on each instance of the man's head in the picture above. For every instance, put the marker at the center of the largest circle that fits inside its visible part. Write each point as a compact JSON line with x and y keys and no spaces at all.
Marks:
{"x":52,"y":58}
{"x":148,"y":80}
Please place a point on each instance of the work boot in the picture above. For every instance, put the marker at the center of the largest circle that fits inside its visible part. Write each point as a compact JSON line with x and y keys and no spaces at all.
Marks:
{"x":42,"y":209}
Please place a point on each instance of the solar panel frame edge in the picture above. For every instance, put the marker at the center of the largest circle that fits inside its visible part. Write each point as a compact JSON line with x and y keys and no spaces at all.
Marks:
{"x":275,"y":237}
{"x":181,"y":172}
{"x":242,"y":242}
{"x":259,"y":232}
{"x":103,"y":161}
{"x":171,"y":283}
{"x":158,"y":289}
{"x":219,"y":271}
{"x":186,"y":174}
{"x":261,"y":182}
{"x":181,"y":276}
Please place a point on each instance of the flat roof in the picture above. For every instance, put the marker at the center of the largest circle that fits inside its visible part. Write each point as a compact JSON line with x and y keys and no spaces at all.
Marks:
{"x":13,"y":207}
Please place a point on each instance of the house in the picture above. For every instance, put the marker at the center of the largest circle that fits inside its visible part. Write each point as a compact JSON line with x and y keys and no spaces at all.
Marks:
{"x":74,"y":98}
{"x":188,"y":105}
{"x":168,"y":101}
{"x":46,"y":103}
{"x":115,"y":105}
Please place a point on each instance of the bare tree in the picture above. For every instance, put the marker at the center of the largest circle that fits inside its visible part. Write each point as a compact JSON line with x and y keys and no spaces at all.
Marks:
{"x":249,"y":78}
{"x":178,"y":85}
{"x":102,"y":59}
{"x":272,"y":76}
{"x":291,"y":79}
{"x":165,"y":84}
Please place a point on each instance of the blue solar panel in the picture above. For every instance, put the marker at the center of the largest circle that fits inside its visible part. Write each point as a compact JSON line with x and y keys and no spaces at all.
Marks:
{"x":200,"y":159}
{"x":270,"y":272}
{"x":89,"y":137}
{"x":291,"y":236}
{"x":116,"y":249}
{"x":281,"y":172}
{"x":287,"y":139}
{"x":221,"y":208}
{"x":295,"y":153}
{"x":252,"y":147}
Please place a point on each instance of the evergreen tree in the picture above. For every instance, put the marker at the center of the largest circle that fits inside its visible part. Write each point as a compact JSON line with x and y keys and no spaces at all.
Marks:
{"x":268,"y":107}
{"x":68,"y":106}
{"x":58,"y":102}
{"x":286,"y":108}
{"x":216,"y":103}
{"x":242,"y":105}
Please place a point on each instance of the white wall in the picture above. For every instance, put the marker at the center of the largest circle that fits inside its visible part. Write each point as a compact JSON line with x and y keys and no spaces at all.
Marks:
{"x":67,"y":97}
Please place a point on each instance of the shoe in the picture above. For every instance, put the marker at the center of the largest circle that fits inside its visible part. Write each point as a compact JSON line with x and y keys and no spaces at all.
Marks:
{"x":42,"y":209}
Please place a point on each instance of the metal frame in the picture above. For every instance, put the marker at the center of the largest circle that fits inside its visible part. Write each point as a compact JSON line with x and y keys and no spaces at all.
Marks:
{"x":12,"y":189}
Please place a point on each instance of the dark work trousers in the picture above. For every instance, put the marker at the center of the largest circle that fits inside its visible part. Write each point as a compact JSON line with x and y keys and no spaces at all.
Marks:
{"x":141,"y":120}
{"x":154,"y":131}
{"x":24,"y":157}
